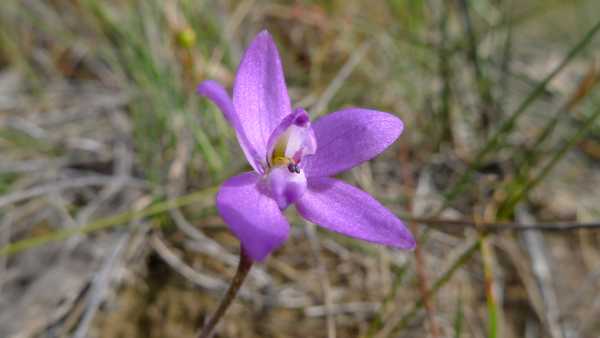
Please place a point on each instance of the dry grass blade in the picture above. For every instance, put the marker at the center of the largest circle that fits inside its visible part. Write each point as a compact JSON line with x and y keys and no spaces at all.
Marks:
{"x":62,"y":185}
{"x":536,"y":247}
{"x":201,"y":280}
{"x":420,"y":262}
{"x":400,"y":320}
{"x":324,"y":279}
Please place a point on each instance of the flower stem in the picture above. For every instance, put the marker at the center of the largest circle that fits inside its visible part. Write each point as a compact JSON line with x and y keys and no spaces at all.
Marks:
{"x":241,"y":273}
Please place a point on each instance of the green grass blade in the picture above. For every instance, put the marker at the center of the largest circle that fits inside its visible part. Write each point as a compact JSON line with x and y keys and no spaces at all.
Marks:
{"x":204,"y":197}
{"x":492,"y":305}
{"x":508,"y":125}
{"x":524,"y":189}
{"x":459,"y":318}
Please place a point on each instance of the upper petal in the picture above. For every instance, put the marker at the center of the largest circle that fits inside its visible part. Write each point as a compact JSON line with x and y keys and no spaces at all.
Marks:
{"x":349,"y":137}
{"x":216,"y":93}
{"x":343,"y":208}
{"x":260,"y":95}
{"x":252,"y":215}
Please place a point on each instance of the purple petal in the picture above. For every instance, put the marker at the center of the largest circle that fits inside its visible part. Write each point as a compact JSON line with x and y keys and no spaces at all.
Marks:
{"x":253,"y":216}
{"x":260,"y":95}
{"x":301,"y":141}
{"x":286,"y":186}
{"x":342,"y":208}
{"x":294,"y":135}
{"x":349,"y":137}
{"x":216,"y":93}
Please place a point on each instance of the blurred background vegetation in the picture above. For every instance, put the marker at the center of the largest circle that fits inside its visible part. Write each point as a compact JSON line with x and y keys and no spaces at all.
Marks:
{"x":109,"y":163}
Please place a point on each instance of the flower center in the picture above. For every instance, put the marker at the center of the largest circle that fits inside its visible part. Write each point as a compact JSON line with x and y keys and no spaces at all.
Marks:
{"x":279,"y":158}
{"x":290,"y":142}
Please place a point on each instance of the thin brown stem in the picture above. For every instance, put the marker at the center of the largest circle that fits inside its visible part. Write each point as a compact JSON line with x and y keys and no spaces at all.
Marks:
{"x":241,"y":273}
{"x":487,"y":227}
{"x":420,"y":261}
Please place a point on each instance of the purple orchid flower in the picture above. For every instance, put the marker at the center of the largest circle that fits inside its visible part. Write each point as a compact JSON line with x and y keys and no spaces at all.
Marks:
{"x":294,"y":159}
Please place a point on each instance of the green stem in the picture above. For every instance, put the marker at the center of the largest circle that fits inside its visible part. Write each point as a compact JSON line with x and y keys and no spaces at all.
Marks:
{"x":488,"y":272}
{"x":241,"y":273}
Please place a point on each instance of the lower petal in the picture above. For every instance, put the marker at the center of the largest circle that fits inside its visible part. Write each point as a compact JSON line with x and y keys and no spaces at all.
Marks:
{"x":342,"y":208}
{"x":252,"y":215}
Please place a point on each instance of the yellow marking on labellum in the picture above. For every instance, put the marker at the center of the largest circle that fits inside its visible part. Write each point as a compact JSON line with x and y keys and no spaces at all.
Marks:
{"x":278,"y":156}
{"x":280,"y":161}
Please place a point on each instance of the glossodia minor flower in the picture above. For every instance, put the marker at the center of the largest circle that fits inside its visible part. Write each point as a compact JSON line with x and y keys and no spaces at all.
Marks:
{"x":293,"y":160}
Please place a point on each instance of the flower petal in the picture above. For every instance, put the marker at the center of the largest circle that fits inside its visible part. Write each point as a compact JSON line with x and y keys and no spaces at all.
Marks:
{"x":216,"y":93}
{"x":260,"y":95}
{"x":301,"y":141}
{"x":293,"y":138}
{"x":252,"y":215}
{"x":286,"y":186}
{"x":342,"y":208}
{"x":349,"y":137}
